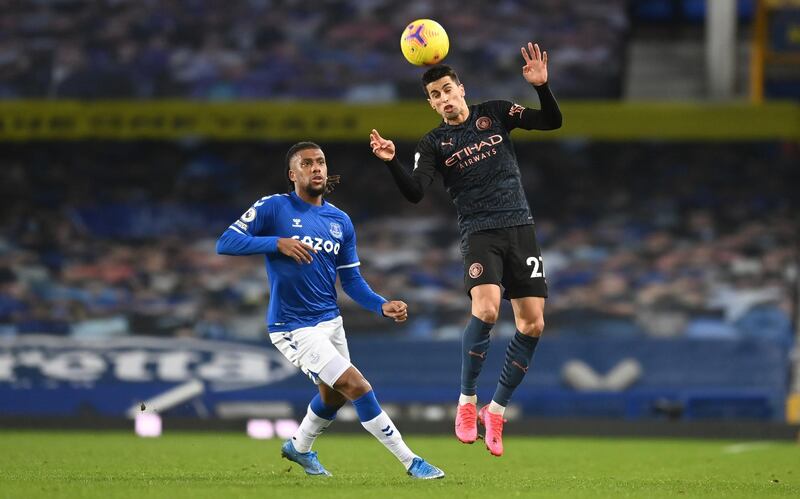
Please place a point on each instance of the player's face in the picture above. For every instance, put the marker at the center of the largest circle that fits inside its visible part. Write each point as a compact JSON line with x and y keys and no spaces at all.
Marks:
{"x":309,"y":172}
{"x":446,"y":97}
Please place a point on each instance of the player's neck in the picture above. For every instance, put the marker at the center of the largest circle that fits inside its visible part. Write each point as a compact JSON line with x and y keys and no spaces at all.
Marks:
{"x":461,"y":118}
{"x":313,"y":200}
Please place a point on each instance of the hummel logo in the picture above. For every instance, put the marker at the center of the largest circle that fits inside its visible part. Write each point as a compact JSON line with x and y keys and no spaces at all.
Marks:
{"x":481,"y":355}
{"x":516,"y":364}
{"x":296,"y":222}
{"x":388,"y":431}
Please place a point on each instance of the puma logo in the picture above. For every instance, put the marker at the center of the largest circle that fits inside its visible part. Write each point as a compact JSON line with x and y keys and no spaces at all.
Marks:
{"x":481,"y":355}
{"x":520,"y":366}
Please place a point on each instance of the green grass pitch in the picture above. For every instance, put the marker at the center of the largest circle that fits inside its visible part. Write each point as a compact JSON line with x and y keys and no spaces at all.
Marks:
{"x":215,"y":465}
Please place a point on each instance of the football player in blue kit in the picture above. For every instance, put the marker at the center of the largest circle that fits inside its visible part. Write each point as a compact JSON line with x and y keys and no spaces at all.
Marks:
{"x":306,"y":242}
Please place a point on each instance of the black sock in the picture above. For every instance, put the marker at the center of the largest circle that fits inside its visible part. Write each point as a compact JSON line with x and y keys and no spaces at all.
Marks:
{"x":474,"y":345}
{"x":518,"y":357}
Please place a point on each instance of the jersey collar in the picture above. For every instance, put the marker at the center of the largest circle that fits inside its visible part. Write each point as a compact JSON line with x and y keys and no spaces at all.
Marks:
{"x":297,"y":198}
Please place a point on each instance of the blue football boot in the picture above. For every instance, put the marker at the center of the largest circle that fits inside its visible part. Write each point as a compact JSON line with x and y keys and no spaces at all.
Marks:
{"x":424,"y":470}
{"x":308,"y":460}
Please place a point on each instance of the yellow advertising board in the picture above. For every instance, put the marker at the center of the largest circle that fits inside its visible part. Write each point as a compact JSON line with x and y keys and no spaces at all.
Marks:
{"x":320,"y":120}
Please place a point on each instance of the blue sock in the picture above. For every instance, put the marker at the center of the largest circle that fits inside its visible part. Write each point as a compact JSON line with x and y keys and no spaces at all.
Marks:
{"x":367,"y":407}
{"x":518,"y":357}
{"x":320,"y":409}
{"x":474,"y":345}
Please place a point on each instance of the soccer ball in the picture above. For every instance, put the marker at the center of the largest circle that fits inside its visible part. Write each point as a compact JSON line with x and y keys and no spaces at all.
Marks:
{"x":424,"y":42}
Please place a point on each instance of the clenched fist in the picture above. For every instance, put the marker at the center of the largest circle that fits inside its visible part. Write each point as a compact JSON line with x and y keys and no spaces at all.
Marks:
{"x":396,"y":310}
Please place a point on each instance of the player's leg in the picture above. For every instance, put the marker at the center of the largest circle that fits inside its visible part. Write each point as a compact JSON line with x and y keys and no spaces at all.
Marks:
{"x":320,"y":414}
{"x":312,"y":350}
{"x":353,"y":385}
{"x":475,"y":340}
{"x":482,"y":273}
{"x":526,"y":288}
{"x":529,"y":319}
{"x":323,"y":407}
{"x":324,"y":356}
{"x":474,"y":348}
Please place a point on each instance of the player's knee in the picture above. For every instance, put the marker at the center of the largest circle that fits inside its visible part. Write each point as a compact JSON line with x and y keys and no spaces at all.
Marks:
{"x":358,"y":387}
{"x":486,"y":312}
{"x":353,"y":386}
{"x":533,"y":327}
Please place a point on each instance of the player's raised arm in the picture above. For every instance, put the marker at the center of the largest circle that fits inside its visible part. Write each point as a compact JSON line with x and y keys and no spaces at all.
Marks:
{"x":382,"y":148}
{"x":535,"y":69}
{"x":412,"y":185}
{"x":535,"y":72}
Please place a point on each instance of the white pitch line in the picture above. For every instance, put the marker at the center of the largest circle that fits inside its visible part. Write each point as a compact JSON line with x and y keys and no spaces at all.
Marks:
{"x":746,"y":447}
{"x":170,"y":398}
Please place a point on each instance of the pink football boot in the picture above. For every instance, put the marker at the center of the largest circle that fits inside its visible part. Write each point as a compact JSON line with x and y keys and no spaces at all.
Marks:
{"x":494,"y":430}
{"x":466,"y":423}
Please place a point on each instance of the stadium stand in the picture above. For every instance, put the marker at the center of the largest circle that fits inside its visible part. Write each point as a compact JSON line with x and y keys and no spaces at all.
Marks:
{"x":99,"y":240}
{"x":344,"y":49}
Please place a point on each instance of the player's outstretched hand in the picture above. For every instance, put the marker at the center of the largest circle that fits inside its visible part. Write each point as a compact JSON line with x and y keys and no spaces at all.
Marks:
{"x":293,"y":248}
{"x":382,"y":148}
{"x":396,"y":310}
{"x":535,"y":69}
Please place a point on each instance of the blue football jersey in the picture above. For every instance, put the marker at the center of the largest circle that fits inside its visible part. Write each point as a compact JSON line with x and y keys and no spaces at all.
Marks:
{"x":301,"y":295}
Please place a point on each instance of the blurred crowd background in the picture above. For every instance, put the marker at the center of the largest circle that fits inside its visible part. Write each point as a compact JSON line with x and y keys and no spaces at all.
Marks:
{"x":343,"y":49}
{"x":655,"y":239}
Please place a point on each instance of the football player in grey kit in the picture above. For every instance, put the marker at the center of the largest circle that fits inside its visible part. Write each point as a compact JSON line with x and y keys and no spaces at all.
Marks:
{"x":471,"y":150}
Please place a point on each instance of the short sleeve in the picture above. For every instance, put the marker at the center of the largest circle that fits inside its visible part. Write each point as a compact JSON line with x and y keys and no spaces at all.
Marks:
{"x":348,"y":254}
{"x":507,"y":112}
{"x":258,"y":219}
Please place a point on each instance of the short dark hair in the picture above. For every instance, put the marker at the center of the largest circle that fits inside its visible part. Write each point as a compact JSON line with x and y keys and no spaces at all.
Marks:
{"x":436,"y":73}
{"x":300,"y":146}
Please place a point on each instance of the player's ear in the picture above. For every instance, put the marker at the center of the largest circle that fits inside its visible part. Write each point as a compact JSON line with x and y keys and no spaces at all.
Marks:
{"x":433,"y":106}
{"x":463,"y":90}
